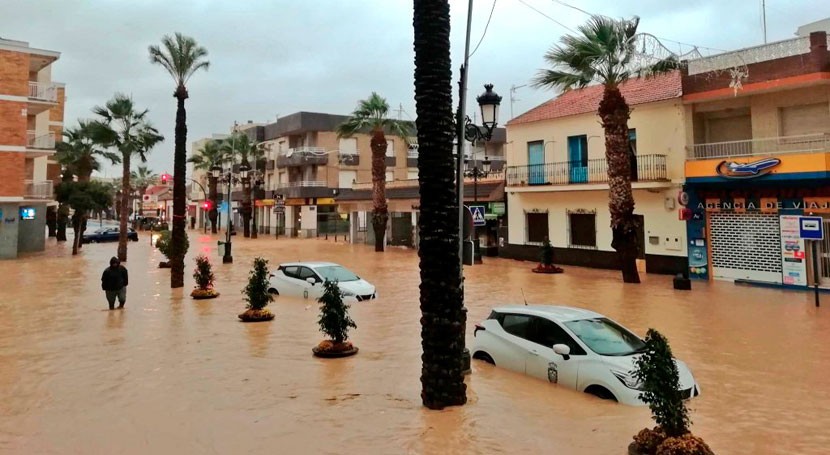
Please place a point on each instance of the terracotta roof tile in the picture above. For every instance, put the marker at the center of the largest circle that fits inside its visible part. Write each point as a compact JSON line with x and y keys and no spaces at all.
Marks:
{"x":581,"y":101}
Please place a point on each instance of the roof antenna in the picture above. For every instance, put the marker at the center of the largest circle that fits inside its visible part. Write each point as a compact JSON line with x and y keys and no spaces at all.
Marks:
{"x":523,"y":295}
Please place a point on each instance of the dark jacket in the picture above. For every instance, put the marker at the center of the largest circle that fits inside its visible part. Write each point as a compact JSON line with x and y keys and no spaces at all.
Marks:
{"x":114,"y":278}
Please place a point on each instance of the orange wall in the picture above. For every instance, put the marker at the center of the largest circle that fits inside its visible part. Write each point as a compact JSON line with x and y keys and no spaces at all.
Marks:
{"x":12,"y":171}
{"x":12,"y":123}
{"x":14,"y":73}
{"x":790,"y":164}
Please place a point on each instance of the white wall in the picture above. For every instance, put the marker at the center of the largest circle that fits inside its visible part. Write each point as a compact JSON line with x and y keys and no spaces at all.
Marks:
{"x":659,"y":221}
{"x":347,"y":179}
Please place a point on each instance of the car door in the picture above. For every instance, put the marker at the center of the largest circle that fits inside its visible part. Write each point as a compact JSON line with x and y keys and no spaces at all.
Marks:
{"x":288,"y":282}
{"x":543,"y":363}
{"x":111,"y":235}
{"x":310,"y":291}
{"x":511,"y":351}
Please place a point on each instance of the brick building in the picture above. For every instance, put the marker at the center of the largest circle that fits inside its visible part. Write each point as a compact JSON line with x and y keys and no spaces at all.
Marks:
{"x":31,"y":121}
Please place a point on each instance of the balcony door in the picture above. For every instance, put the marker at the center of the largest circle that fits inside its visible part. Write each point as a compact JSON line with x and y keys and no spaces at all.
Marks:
{"x":578,"y":159}
{"x":536,"y":162}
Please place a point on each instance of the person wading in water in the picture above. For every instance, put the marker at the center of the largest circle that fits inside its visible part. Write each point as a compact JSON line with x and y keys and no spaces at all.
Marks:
{"x":114,"y":283}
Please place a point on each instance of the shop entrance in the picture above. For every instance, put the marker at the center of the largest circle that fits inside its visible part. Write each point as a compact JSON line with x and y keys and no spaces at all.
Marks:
{"x":824,"y":257}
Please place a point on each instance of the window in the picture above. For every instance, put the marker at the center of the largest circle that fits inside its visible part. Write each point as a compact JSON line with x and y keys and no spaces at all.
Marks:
{"x":516,"y":324}
{"x":578,"y":150}
{"x":547,"y":333}
{"x":347,"y":179}
{"x":583,"y":230}
{"x":605,"y":337}
{"x":412,"y":175}
{"x":306,"y":273}
{"x":805,"y":119}
{"x":348,"y":145}
{"x":537,"y":227}
{"x":337,"y":273}
{"x":390,"y":148}
{"x":632,"y":153}
{"x":390,"y":176}
{"x":291,"y":271}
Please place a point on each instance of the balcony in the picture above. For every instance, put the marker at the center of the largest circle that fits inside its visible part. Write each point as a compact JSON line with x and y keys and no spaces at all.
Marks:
{"x":37,"y":190}
{"x":650,"y":168}
{"x":304,"y":189}
{"x":351,"y":158}
{"x":759,"y":147}
{"x":412,"y":157}
{"x":42,"y":97}
{"x":40,"y":142}
{"x":303,"y":156}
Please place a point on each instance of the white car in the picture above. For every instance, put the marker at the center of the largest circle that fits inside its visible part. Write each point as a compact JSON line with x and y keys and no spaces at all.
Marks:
{"x":572,"y":347}
{"x":305,"y":279}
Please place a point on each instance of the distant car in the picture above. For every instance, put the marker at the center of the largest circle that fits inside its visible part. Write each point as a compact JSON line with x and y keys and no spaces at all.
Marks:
{"x":108,"y":235}
{"x":305,"y":279}
{"x":572,"y":347}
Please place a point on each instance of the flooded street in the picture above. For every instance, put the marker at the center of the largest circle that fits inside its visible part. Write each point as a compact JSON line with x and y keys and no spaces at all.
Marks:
{"x":173,"y":375}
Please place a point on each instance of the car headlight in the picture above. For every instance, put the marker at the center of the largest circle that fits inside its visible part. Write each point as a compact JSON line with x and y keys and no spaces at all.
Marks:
{"x":347,"y":293}
{"x":628,"y":379}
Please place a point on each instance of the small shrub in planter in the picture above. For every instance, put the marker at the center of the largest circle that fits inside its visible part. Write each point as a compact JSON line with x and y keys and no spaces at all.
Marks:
{"x":657,"y":371}
{"x":546,"y":260}
{"x":335,"y":323}
{"x":164,"y":245}
{"x":256,"y":294}
{"x":204,"y":280}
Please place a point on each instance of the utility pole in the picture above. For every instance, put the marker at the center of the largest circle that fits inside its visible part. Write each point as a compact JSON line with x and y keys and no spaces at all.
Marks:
{"x":764,"y":18}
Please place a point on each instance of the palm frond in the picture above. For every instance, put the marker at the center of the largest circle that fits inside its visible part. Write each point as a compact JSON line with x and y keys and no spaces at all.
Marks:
{"x":180,"y":55}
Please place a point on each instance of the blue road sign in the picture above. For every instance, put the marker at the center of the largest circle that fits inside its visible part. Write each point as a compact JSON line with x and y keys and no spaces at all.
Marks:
{"x":811,"y":228}
{"x":478,"y":215}
{"x":223,"y":206}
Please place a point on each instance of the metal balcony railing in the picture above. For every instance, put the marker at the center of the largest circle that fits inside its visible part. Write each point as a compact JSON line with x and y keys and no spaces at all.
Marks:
{"x":301,"y":156}
{"x":43,"y":91}
{"x":302,"y":184}
{"x":37,"y":190}
{"x":649,"y":168}
{"x":762,"y":146}
{"x":44,"y":141}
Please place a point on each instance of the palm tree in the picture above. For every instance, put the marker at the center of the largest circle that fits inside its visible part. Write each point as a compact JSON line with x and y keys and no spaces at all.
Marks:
{"x":143,"y":178}
{"x":80,"y":155}
{"x":123,"y":127}
{"x":371,"y":115}
{"x":443,"y":317}
{"x":208,"y":156}
{"x":181,"y":57}
{"x":605,"y":51}
{"x":240,"y":147}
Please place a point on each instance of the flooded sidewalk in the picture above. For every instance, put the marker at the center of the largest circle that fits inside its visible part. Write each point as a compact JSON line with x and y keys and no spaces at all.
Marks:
{"x":172,"y":375}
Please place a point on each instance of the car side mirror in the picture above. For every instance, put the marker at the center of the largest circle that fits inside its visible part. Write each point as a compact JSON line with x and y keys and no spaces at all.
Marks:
{"x":562,"y":349}
{"x":311,"y":280}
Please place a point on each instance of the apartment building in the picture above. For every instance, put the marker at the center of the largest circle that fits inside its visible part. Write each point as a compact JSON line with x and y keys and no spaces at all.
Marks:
{"x":31,"y":121}
{"x":758,"y":121}
{"x":557,"y":177}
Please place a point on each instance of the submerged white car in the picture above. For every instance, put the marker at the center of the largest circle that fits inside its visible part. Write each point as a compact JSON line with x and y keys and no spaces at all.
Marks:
{"x":305,"y":279}
{"x":572,"y":347}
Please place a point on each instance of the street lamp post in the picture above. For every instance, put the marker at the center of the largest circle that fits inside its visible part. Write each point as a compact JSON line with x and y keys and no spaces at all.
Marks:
{"x":245,"y":174}
{"x":477,"y":172}
{"x":228,"y":179}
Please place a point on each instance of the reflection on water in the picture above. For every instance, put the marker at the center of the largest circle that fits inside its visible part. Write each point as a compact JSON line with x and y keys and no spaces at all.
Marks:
{"x":171,"y":374}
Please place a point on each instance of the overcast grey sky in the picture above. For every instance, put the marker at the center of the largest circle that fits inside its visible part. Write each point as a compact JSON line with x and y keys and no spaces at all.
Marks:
{"x":276,"y":57}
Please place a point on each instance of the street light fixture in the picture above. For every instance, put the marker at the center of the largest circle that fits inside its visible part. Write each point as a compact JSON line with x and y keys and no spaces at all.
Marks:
{"x":489,"y":102}
{"x":228,"y":179}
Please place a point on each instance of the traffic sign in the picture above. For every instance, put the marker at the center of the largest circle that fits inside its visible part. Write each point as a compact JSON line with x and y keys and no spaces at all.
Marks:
{"x":223,"y":206}
{"x":478,"y":215}
{"x":279,"y":209}
{"x":811,"y":228}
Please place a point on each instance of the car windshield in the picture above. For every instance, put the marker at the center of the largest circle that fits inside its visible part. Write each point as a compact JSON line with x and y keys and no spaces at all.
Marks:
{"x":605,"y":337}
{"x":336,"y":273}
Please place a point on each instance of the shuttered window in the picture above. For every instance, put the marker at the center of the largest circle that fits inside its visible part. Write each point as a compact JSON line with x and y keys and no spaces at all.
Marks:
{"x":805,"y":119}
{"x":537,"y":227}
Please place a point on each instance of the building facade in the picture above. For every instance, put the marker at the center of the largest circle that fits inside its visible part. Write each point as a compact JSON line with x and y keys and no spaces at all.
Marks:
{"x":31,"y":121}
{"x":758,"y":121}
{"x":557,"y":177}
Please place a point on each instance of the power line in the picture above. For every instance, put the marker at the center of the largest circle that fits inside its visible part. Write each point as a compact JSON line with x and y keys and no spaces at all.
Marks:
{"x":573,"y":7}
{"x":550,"y":18}
{"x":485,"y":29}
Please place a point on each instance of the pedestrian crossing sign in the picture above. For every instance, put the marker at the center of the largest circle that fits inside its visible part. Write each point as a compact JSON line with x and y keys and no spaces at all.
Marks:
{"x":478,"y":215}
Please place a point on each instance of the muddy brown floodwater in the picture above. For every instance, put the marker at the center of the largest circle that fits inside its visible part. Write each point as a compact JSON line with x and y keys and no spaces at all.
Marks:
{"x":173,"y":375}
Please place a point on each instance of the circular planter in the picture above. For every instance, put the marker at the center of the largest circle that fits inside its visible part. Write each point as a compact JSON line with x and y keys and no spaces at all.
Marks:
{"x":203,"y":294}
{"x":547,"y":269}
{"x":256,"y":316}
{"x":329,"y":350}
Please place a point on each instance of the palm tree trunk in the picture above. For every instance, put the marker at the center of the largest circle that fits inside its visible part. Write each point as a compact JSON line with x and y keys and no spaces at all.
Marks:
{"x":380,"y":214}
{"x":52,"y":220}
{"x":177,"y":238}
{"x":443,"y":317}
{"x":125,"y":208}
{"x":60,"y":234}
{"x":212,"y":213}
{"x":77,"y":222}
{"x":614,"y":112}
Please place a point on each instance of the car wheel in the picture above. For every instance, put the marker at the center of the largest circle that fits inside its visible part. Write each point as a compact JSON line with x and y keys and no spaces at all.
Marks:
{"x":600,"y":392}
{"x":273,"y":291}
{"x":483,"y":356}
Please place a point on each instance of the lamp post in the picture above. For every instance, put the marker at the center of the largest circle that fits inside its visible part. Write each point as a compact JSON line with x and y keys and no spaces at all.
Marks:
{"x":204,"y":193}
{"x":245,"y":174}
{"x":477,"y":172}
{"x":228,"y":179}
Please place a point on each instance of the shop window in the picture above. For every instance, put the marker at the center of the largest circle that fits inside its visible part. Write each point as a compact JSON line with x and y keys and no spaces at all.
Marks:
{"x":582,"y":228}
{"x":537,"y":227}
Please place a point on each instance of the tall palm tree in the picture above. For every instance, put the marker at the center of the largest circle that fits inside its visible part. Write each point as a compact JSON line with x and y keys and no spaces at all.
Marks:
{"x":443,"y":317}
{"x":605,"y":52}
{"x":239,"y":147}
{"x":80,"y":156}
{"x":205,"y":158}
{"x":126,"y":129}
{"x":181,"y":57}
{"x":371,"y":115}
